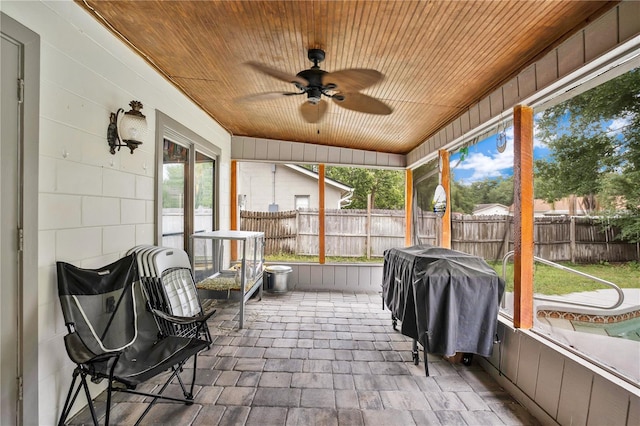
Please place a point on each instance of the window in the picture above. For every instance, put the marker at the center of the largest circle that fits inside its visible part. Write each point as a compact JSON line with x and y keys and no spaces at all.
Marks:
{"x":301,"y":202}
{"x":187,"y":185}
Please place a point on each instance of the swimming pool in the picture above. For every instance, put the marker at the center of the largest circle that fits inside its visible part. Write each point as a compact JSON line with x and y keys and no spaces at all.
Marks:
{"x":627,"y":329}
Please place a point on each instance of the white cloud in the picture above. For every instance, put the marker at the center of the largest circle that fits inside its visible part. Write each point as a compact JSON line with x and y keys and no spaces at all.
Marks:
{"x":618,"y":124}
{"x":537,"y":142}
{"x":490,"y":163}
{"x":487,"y":165}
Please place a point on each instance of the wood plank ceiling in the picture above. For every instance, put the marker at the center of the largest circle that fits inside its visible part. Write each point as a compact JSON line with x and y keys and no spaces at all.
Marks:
{"x":438,"y":57}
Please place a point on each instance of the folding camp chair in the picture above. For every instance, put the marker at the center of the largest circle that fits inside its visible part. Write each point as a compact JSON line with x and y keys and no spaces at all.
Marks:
{"x":113,"y":335}
{"x":173,"y":267}
{"x":171,"y":289}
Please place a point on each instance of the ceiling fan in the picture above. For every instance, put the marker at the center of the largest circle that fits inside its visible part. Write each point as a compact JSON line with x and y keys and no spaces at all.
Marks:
{"x":342,"y":87}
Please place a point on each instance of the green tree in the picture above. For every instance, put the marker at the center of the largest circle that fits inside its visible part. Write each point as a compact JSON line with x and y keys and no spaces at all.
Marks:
{"x":204,"y":179}
{"x":493,"y":190}
{"x":591,"y":160}
{"x":173,"y":186}
{"x":462,"y":198}
{"x":424,"y":193}
{"x":385,"y":186}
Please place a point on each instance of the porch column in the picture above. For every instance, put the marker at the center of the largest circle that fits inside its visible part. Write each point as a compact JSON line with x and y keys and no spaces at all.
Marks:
{"x":234,"y":195}
{"x":321,"y":214}
{"x":523,"y":216}
{"x":234,"y":206}
{"x":445,"y":179}
{"x":408,"y":206}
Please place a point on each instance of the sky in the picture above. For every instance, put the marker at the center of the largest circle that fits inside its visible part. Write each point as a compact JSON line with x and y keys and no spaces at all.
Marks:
{"x":484,"y":161}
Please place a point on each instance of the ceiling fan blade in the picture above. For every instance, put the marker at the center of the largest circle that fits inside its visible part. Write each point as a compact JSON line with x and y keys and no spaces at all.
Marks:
{"x":363,"y":103}
{"x":353,"y":80}
{"x":266,"y":96}
{"x":280,"y":75}
{"x":313,"y":113}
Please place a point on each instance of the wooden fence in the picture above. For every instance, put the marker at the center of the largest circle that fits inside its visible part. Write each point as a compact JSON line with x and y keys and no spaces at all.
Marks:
{"x":575,"y":239}
{"x":280,"y":229}
{"x":362,"y":233}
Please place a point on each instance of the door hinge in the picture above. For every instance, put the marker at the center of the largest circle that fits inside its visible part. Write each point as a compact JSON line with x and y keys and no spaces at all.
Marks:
{"x":20,"y":239}
{"x":20,"y":90}
{"x":20,"y":389}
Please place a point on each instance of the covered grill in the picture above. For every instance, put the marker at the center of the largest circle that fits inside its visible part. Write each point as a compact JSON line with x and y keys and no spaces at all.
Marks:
{"x":445,"y":299}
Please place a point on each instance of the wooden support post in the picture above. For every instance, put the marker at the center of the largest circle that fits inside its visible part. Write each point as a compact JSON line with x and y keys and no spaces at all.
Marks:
{"x":445,"y":180}
{"x":408,"y":206}
{"x":523,"y":216}
{"x":234,"y":207}
{"x":321,"y":248}
{"x":368,"y":226}
{"x":234,"y":195}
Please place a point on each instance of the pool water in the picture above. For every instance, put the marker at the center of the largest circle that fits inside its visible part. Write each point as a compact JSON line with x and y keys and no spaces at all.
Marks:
{"x":629,"y":329}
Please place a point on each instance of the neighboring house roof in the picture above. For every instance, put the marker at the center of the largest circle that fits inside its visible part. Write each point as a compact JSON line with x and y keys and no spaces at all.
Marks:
{"x":557,"y":208}
{"x":481,"y":209}
{"x":346,"y":190}
{"x":314,"y":175}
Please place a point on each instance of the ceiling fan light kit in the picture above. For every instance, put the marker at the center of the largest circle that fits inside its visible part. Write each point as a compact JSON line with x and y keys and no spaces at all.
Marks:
{"x":343,"y":87}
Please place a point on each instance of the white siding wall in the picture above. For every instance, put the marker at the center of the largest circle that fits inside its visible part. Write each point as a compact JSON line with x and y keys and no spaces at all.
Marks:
{"x":255,"y":180}
{"x":246,"y":148}
{"x":354,"y":277}
{"x":93,"y":206}
{"x":557,"y":386}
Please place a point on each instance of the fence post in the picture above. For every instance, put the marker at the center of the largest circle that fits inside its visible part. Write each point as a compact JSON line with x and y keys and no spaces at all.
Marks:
{"x":572,"y":239}
{"x":297,"y":243}
{"x":507,"y":235}
{"x":606,"y":237}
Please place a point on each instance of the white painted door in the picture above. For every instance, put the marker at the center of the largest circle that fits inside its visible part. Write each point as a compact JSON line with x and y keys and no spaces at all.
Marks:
{"x":10,"y":72}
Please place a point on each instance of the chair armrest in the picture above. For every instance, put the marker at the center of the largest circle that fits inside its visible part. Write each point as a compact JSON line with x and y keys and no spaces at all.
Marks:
{"x":182,"y":320}
{"x":81,"y":354}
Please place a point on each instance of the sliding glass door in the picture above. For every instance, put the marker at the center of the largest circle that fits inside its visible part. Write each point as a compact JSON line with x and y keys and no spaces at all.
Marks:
{"x":188,"y":193}
{"x":204,"y":179}
{"x":175,"y":162}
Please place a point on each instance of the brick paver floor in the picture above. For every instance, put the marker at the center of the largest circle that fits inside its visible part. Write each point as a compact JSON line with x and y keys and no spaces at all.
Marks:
{"x":321,"y":358}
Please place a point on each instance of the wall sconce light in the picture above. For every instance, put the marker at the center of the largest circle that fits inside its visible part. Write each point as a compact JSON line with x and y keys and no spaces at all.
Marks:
{"x":129,"y":130}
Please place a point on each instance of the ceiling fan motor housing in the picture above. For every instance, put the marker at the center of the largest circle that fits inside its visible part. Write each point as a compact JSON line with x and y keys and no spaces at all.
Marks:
{"x":315,"y":88}
{"x":313,"y":76}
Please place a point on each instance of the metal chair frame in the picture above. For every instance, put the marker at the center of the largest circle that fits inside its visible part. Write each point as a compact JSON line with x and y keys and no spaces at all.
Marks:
{"x":118,"y":366}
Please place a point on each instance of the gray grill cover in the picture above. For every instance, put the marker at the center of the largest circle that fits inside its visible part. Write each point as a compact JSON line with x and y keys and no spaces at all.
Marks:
{"x":446,"y":296}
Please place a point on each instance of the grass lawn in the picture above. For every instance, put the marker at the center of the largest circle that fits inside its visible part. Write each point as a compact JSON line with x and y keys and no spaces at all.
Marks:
{"x":549,"y":280}
{"x":314,"y":259}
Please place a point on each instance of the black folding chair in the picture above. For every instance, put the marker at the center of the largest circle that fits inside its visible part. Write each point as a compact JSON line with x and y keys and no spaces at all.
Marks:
{"x":113,"y":336}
